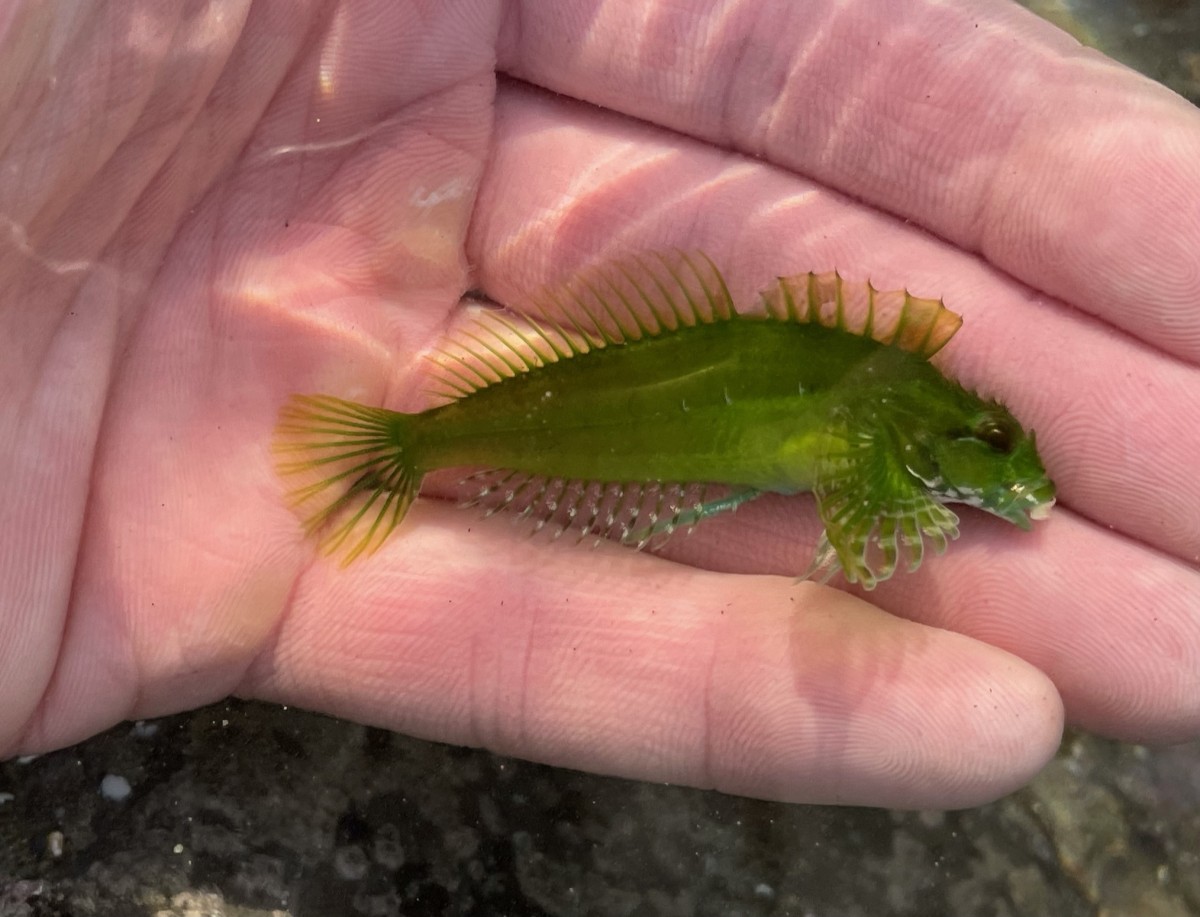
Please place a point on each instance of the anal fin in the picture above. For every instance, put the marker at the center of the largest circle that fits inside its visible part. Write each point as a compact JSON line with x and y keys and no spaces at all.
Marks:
{"x":688,"y":515}
{"x":640,"y":514}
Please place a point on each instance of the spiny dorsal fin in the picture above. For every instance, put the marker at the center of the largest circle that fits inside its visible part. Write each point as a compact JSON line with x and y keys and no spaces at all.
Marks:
{"x":921,"y":326}
{"x":612,"y":304}
{"x":638,"y":296}
{"x":495,"y":345}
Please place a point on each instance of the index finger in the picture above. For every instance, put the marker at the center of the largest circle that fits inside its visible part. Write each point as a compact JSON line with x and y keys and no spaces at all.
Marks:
{"x":615,"y":662}
{"x":976,"y":119}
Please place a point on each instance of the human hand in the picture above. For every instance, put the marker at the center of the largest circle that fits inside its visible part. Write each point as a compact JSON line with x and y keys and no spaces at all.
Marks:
{"x":211,"y":214}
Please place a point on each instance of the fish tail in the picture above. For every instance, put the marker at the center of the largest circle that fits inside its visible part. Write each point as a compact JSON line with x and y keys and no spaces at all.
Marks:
{"x":354,"y":469}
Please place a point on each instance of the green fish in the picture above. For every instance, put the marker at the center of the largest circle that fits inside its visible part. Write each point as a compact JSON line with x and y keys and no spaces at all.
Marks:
{"x":639,"y":402}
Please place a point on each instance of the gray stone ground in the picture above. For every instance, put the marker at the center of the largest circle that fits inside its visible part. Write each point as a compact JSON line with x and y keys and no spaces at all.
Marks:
{"x":245,"y":809}
{"x":1161,"y":38}
{"x":248,"y":809}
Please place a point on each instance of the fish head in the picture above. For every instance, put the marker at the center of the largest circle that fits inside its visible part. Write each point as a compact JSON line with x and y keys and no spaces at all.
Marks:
{"x":990,"y":462}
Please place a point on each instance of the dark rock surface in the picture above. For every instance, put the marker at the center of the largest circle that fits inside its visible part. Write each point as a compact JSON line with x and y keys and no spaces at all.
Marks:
{"x":1161,"y":38}
{"x":245,"y":809}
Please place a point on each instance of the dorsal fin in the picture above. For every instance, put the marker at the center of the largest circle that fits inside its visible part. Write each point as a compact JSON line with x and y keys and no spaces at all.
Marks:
{"x":494,"y":345}
{"x":609,"y":305}
{"x":920,"y":326}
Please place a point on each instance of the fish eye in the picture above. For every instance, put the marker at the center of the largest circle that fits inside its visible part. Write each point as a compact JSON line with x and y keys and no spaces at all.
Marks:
{"x":995,"y":433}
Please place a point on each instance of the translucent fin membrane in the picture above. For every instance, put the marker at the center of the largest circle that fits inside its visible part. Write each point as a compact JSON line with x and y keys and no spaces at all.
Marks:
{"x":921,"y":326}
{"x":496,"y":345}
{"x":621,"y":301}
{"x":871,"y":548}
{"x":873,"y":524}
{"x":637,"y":513}
{"x":354,"y":482}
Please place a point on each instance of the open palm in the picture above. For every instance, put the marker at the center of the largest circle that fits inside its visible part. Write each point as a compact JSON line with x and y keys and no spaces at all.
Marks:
{"x":205,"y":212}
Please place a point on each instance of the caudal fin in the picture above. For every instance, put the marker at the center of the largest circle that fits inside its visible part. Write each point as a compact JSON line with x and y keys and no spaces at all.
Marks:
{"x":354,"y":472}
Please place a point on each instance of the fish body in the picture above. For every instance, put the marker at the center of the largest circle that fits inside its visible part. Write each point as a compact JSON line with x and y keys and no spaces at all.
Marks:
{"x":640,"y":401}
{"x":742,"y":402}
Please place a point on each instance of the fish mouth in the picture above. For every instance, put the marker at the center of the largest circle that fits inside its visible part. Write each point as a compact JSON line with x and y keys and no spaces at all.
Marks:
{"x":1027,"y":503}
{"x":1041,"y":510}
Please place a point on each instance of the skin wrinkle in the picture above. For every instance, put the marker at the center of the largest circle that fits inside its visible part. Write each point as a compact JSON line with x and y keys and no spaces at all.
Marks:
{"x":265,"y":657}
{"x":466,"y":81}
{"x":987,"y":212}
{"x":65,"y":550}
{"x":730,"y":92}
{"x":22,"y":50}
{"x":707,"y":775}
{"x":478,"y":735}
{"x":520,"y":736}
{"x":907,"y":115}
{"x":115,"y":132}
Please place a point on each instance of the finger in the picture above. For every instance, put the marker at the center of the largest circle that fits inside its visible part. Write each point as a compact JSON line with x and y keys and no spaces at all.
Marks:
{"x":1117,"y":422}
{"x":977,"y":120}
{"x":615,"y":662}
{"x":1114,"y":624}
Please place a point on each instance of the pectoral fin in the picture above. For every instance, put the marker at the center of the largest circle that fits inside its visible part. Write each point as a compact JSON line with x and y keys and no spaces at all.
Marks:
{"x":876,"y":514}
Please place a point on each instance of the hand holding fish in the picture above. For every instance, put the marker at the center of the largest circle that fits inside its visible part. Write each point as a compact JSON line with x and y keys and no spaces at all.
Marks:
{"x":306,"y":215}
